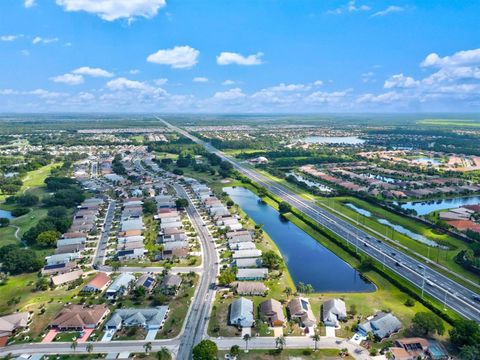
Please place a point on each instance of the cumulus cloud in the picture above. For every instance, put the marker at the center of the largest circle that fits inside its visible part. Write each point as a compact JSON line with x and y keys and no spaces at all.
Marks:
{"x":94,"y":72}
{"x":466,"y":57}
{"x":318,"y":83}
{"x":385,"y":98}
{"x":29,"y":3}
{"x":325,"y":97}
{"x":144,"y":89}
{"x":389,"y":10}
{"x":200,"y":79}
{"x":10,"y":37}
{"x":228,"y":58}
{"x":400,"y":81}
{"x":111,"y":10}
{"x":350,"y":7}
{"x":228,"y":82}
{"x":179,"y":57}
{"x":232,"y":94}
{"x":161,"y":81}
{"x":69,"y":79}
{"x":134,"y":72}
{"x":40,"y":40}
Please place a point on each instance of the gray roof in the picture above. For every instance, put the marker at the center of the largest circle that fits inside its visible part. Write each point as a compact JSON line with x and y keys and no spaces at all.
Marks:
{"x":148,"y":318}
{"x":239,"y":254}
{"x":333,"y":310}
{"x":123,"y":280}
{"x":171,"y":280}
{"x":174,"y":245}
{"x":247,"y":263}
{"x":260,"y":273}
{"x":241,"y":312}
{"x":381,"y":325}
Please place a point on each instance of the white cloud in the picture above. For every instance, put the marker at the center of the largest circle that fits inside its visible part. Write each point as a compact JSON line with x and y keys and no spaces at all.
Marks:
{"x":69,"y":79}
{"x":29,"y":3}
{"x":350,"y":7}
{"x":200,"y":79}
{"x":400,"y":81}
{"x":10,"y":37}
{"x":232,"y":94}
{"x":324,"y":97}
{"x":318,"y":83}
{"x":122,"y":83}
{"x":467,"y":57}
{"x":178,"y":58}
{"x":38,"y":40}
{"x":161,"y":81}
{"x":227,"y":58}
{"x":134,"y":72}
{"x":368,"y":77}
{"x":94,"y":72}
{"x":385,"y":98}
{"x":111,"y":10}
{"x":228,"y":82}
{"x":389,"y":10}
{"x":44,"y":94}
{"x":288,"y":87}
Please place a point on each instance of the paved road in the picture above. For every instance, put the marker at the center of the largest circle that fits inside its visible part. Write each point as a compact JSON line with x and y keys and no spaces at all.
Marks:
{"x":99,"y":256}
{"x":433,"y":283}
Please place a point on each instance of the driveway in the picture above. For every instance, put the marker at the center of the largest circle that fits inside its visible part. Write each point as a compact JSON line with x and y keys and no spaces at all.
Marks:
{"x":108,"y":335}
{"x":278,"y":331}
{"x":330,"y":331}
{"x":151,"y":334}
{"x":50,"y":336}
{"x":86,"y":335}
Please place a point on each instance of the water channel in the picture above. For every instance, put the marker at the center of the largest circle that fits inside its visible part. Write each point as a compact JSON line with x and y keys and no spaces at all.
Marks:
{"x":308,"y":261}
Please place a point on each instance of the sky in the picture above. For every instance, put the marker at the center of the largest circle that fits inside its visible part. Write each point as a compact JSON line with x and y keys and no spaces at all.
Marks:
{"x":242,"y":56}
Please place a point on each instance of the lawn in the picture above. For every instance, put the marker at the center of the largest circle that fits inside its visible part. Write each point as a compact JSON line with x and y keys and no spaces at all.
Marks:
{"x":43,"y":304}
{"x":178,"y":308}
{"x":37,"y":177}
{"x":288,"y":354}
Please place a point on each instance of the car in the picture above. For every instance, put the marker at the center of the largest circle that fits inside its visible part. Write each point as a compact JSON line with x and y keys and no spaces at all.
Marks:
{"x":476,"y":298}
{"x":365,"y":244}
{"x":398,"y":263}
{"x":393,"y":254}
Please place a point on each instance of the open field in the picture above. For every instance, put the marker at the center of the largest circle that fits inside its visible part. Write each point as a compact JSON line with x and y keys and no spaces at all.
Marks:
{"x":37,"y":177}
{"x":450,"y":122}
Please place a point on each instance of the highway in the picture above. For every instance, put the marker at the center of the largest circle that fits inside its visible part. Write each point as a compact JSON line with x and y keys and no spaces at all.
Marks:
{"x":450,"y":293}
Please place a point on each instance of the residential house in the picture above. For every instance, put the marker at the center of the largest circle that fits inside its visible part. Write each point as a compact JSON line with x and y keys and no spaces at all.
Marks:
{"x":147,"y":281}
{"x":241,"y":313}
{"x":149,"y":319}
{"x":242,"y":254}
{"x":170,"y":284}
{"x":272,"y":311}
{"x":98,"y":284}
{"x":333,"y":311}
{"x":252,"y":274}
{"x":250,"y":288}
{"x":120,"y":285}
{"x":299,"y":308}
{"x":9,"y":324}
{"x":79,"y":317}
{"x":66,"y":278}
{"x":382,"y":325}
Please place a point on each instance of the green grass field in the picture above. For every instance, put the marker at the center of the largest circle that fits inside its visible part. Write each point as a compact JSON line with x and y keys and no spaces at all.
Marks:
{"x":450,"y":122}
{"x":287,"y":354}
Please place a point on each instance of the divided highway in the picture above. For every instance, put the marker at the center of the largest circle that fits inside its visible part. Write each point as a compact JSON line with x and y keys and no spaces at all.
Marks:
{"x":445,"y":290}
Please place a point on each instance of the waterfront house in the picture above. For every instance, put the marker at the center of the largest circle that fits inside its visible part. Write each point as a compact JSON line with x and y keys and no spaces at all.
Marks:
{"x":252,"y":274}
{"x":299,"y":308}
{"x":272,"y":311}
{"x":333,"y":311}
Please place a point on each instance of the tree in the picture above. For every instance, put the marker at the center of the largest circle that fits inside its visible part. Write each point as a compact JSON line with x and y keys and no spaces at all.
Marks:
{"x":27,"y":200}
{"x":181,"y":203}
{"x":17,"y":260}
{"x":205,"y":350}
{"x":149,"y":207}
{"x":465,"y":332}
{"x":48,"y":238}
{"x":89,"y":347}
{"x":316,"y":339}
{"x":20,"y":211}
{"x":148,"y":347}
{"x":74,"y":345}
{"x":246,"y":338}
{"x":425,"y":324}
{"x":226,"y":277}
{"x":163,"y":354}
{"x":235,"y":351}
{"x":284,"y":207}
{"x":280,"y":342}
{"x":58,"y":212}
{"x":288,"y":291}
{"x":4,"y":222}
{"x":470,"y":352}
{"x":272,"y":260}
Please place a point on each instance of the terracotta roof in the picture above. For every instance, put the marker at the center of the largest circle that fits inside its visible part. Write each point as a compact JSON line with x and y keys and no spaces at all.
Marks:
{"x":99,"y":281}
{"x":78,"y":316}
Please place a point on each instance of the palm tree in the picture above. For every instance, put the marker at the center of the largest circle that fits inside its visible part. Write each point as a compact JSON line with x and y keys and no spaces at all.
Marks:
{"x":163,"y":354}
{"x":246,"y":338}
{"x":147,"y":346}
{"x":89,"y":347}
{"x":288,"y":291}
{"x":74,"y":345}
{"x":280,"y":342}
{"x":316,"y":339}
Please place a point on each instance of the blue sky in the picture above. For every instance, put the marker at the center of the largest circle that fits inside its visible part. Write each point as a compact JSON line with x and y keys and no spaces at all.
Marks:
{"x":239,"y":56}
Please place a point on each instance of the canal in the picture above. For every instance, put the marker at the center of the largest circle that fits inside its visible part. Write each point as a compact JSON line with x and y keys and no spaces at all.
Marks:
{"x":426,"y":207}
{"x":307,"y":260}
